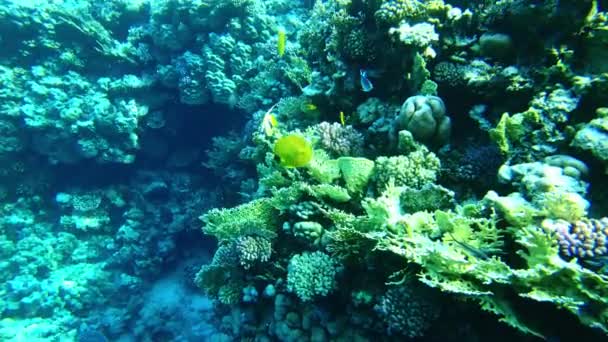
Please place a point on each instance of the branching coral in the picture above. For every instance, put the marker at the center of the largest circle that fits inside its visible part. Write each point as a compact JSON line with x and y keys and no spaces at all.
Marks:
{"x":339,"y":140}
{"x":311,"y":275}
{"x":406,"y":311}
{"x":253,"y":250}
{"x":414,"y":170}
{"x":392,"y":12}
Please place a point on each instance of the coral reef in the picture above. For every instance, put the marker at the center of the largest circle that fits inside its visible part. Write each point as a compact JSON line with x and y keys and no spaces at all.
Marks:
{"x":583,"y":238}
{"x":339,"y":140}
{"x":375,"y":170}
{"x":425,"y":118}
{"x":406,"y":312}
{"x":311,"y":275}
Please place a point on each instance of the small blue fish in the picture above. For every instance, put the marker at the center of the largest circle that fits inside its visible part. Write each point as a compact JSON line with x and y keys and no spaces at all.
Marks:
{"x":366,"y":84}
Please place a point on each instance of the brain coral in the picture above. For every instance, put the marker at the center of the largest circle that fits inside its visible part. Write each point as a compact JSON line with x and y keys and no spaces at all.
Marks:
{"x":425,"y":118}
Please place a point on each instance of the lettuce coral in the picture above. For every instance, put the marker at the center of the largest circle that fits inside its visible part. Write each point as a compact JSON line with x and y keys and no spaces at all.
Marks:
{"x":356,"y":172}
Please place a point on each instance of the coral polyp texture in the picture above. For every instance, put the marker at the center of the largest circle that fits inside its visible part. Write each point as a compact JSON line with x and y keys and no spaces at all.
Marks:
{"x":326,"y":170}
{"x":582,"y":238}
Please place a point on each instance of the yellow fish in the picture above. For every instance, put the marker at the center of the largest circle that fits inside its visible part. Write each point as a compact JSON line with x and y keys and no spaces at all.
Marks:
{"x":308,"y":107}
{"x":269,"y":121}
{"x":281,"y":41}
{"x":293,"y":150}
{"x":342,"y":121}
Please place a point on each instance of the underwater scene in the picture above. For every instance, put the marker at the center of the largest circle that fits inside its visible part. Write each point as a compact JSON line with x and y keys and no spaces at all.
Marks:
{"x":303,"y":170}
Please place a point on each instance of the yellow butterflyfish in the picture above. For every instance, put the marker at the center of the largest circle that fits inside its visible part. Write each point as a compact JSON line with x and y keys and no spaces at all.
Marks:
{"x":342,"y":120}
{"x":281,"y":41}
{"x":269,"y":122}
{"x":293,"y":150}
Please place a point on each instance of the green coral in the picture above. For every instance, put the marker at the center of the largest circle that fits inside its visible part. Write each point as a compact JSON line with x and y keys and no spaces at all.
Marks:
{"x":253,"y":250}
{"x":332,"y":192}
{"x":256,"y":217}
{"x":568,"y":285}
{"x":392,"y":12}
{"x":429,"y":197}
{"x":349,"y":244}
{"x":538,"y":130}
{"x":356,"y":172}
{"x":311,"y":275}
{"x":414,"y":170}
{"x":323,"y":169}
{"x":309,"y":231}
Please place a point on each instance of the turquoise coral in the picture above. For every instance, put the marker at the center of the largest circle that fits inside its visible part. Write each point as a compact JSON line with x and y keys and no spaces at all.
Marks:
{"x":258,"y":217}
{"x":311,"y":275}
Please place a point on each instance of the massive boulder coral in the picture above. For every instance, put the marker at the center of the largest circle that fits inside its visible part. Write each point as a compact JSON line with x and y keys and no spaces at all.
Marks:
{"x":425,"y":117}
{"x":593,"y":136}
{"x":82,"y":120}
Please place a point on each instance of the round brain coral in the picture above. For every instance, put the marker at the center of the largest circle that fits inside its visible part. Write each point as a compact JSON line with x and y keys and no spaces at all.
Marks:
{"x":425,"y":118}
{"x":311,"y":275}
